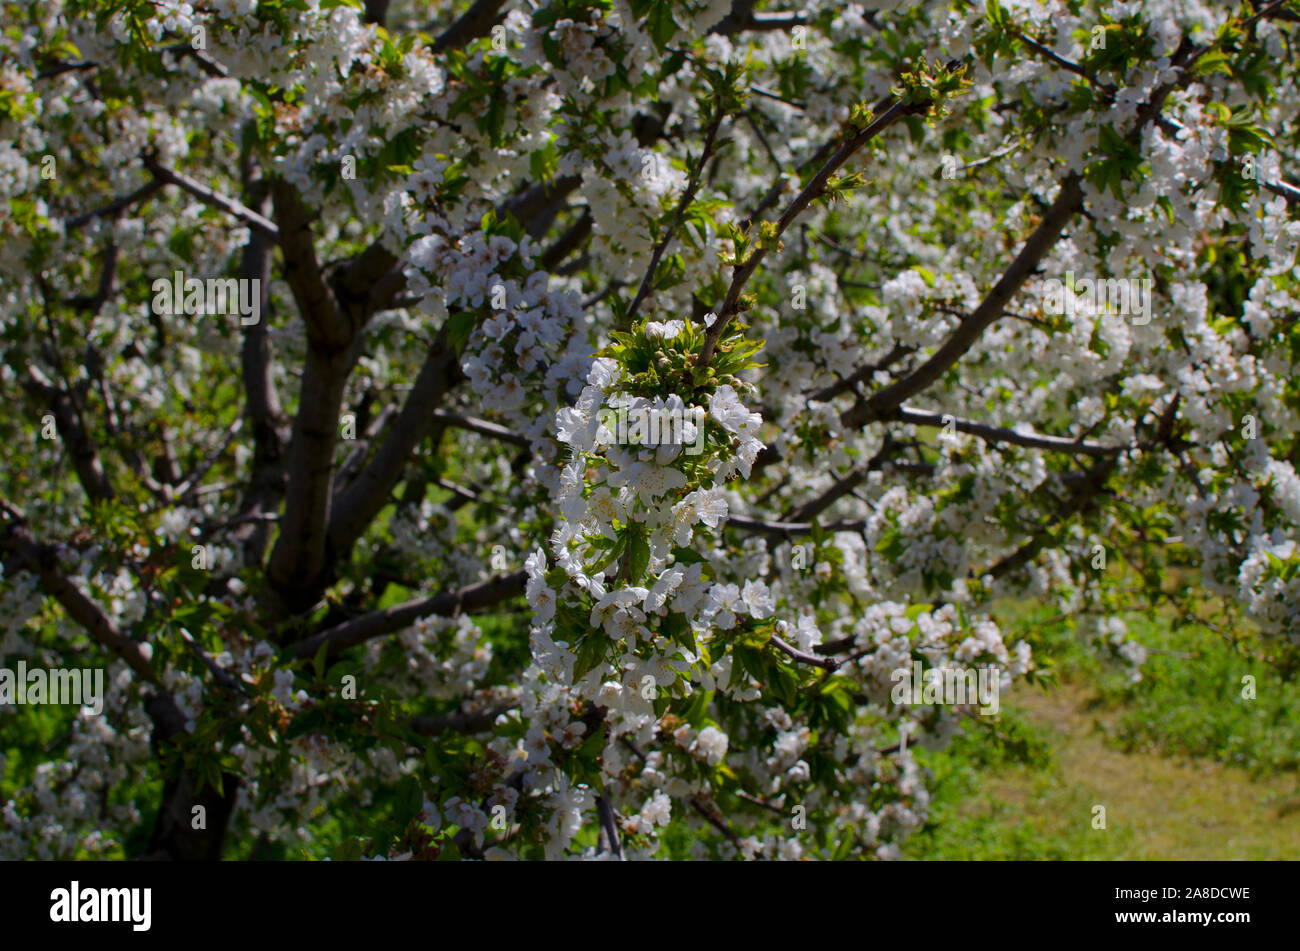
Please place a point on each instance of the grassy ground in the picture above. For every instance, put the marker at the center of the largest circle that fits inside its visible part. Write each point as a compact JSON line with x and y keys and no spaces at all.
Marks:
{"x":1185,"y":767}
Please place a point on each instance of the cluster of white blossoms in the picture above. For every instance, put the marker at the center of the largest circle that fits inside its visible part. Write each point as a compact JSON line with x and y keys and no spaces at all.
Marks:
{"x":68,"y":810}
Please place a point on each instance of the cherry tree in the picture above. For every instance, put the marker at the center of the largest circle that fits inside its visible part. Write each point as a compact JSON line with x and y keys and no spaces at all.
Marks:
{"x":318,"y":317}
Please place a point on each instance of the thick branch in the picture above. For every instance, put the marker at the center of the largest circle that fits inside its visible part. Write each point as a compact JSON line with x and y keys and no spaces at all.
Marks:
{"x":23,"y":551}
{"x":361,"y":501}
{"x":1068,"y":201}
{"x":211,"y":198}
{"x":262,"y":403}
{"x":843,"y":486}
{"x":81,"y":447}
{"x":688,"y":195}
{"x":378,"y":623}
{"x":802,"y":657}
{"x":814,"y":189}
{"x":788,"y":529}
{"x":608,"y":828}
{"x":115,"y":207}
{"x":477,"y":21}
{"x":1082,"y":497}
{"x":864,"y":372}
{"x":997,"y":434}
{"x":460,"y":722}
{"x":483,"y":427}
{"x":299,"y":558}
{"x":327,"y":325}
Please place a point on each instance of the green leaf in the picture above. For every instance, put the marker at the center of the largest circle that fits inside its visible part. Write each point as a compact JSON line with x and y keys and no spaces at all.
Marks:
{"x":784,"y":685}
{"x":638,"y":556}
{"x":843,"y":849}
{"x":594,"y":744}
{"x":753,"y":662}
{"x":318,"y":662}
{"x":495,"y":120}
{"x":1214,"y":61}
{"x":542,"y":163}
{"x":660,"y":23}
{"x":697,"y":707}
{"x":409,"y":799}
{"x":677,"y":627}
{"x":459,"y":326}
{"x":212,"y":774}
{"x":349,"y":850}
{"x":590,"y":652}
{"x":670,"y":272}
{"x":687,"y":556}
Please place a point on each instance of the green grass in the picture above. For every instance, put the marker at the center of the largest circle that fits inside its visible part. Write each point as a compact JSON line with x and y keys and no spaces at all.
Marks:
{"x":1190,"y":699}
{"x":1184,"y":765}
